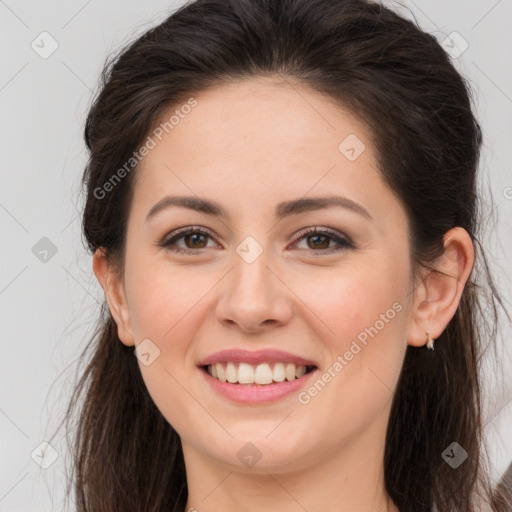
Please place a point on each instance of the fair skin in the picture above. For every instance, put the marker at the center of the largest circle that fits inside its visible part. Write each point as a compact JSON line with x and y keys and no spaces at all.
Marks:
{"x":250,"y":146}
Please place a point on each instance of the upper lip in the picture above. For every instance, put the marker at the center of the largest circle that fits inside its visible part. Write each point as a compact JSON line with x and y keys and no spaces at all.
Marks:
{"x":255,"y":357}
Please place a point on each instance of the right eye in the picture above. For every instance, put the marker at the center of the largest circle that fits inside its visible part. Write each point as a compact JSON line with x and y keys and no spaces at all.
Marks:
{"x":194,"y":239}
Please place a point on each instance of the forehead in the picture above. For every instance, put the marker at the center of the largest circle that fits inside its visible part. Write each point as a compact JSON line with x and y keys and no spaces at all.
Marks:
{"x":257,"y":141}
{"x":260,"y":121}
{"x":288,"y":118}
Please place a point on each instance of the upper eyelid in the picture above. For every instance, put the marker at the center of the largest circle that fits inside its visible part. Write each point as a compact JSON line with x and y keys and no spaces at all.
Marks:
{"x":321,"y":230}
{"x":187,"y":230}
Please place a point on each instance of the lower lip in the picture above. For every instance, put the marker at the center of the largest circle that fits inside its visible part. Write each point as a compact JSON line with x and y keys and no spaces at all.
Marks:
{"x":254,"y":393}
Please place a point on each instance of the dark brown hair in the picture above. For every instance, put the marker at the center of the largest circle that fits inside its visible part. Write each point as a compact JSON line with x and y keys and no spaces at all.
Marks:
{"x":399,"y":81}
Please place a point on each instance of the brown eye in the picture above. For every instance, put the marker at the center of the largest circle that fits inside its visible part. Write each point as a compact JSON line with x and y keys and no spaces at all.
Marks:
{"x":194,"y":240}
{"x":321,"y":240}
{"x":197,"y":240}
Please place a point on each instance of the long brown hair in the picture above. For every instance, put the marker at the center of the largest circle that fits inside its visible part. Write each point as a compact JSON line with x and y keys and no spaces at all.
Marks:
{"x":401,"y":83}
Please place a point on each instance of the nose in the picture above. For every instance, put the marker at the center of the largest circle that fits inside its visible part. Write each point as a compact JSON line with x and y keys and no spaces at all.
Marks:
{"x":254,"y":297}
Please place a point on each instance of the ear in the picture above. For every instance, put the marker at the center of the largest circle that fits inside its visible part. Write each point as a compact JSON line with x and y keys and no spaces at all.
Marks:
{"x":112,"y":283}
{"x":437,"y":296}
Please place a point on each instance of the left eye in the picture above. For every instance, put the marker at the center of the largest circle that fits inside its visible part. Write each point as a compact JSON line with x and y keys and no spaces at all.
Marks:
{"x":196,"y":239}
{"x":322,"y":238}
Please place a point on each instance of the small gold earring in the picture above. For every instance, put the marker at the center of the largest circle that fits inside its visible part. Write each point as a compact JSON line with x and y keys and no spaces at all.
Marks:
{"x":430,"y":342}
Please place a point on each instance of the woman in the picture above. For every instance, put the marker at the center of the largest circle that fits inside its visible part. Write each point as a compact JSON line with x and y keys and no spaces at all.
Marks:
{"x":282,"y":212}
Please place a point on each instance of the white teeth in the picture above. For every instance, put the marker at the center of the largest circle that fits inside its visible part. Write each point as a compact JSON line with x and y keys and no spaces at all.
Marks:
{"x":290,"y":371}
{"x":279,"y":372}
{"x":221,"y":373}
{"x":300,"y":371}
{"x":261,"y":374}
{"x":231,"y":373}
{"x":245,"y":373}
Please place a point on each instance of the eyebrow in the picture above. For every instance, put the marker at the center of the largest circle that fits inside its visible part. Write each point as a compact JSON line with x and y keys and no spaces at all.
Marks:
{"x":283,"y":209}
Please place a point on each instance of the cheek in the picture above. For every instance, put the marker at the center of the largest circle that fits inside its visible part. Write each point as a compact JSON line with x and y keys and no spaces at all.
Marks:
{"x":361,"y":317}
{"x":347,"y":302}
{"x":162,"y":298}
{"x":167,"y":305}
{"x":366,"y":349}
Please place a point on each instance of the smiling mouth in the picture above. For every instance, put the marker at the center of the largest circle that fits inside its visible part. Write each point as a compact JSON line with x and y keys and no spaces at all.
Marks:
{"x":262,"y":374}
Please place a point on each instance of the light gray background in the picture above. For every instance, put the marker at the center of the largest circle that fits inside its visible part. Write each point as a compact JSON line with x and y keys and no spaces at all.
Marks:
{"x":48,"y":308}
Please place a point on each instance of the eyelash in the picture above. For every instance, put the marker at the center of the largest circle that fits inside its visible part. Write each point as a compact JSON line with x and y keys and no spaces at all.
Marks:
{"x":343,"y":242}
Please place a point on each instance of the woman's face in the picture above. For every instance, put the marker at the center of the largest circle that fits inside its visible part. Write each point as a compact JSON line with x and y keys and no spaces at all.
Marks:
{"x":254,"y":291}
